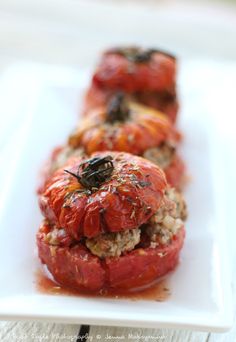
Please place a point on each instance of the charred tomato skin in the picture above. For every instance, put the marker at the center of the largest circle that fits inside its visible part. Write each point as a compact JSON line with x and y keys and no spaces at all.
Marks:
{"x":127,"y":200}
{"x":75,"y":267}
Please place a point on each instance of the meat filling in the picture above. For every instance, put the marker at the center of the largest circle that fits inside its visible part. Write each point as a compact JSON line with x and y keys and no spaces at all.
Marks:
{"x":58,"y":237}
{"x":168,"y":219}
{"x":161,"y":155}
{"x":114,"y":244}
{"x":160,"y":229}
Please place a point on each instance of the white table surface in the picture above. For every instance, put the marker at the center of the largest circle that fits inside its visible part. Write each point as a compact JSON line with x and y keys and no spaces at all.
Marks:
{"x":24,"y":35}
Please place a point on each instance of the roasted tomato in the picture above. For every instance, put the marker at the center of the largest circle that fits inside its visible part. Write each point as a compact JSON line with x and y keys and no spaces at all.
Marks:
{"x":133,"y":69}
{"x":131,"y":127}
{"x":76,"y":267}
{"x":110,"y":192}
{"x":145,"y":76}
{"x":123,"y":126}
{"x":118,"y":224}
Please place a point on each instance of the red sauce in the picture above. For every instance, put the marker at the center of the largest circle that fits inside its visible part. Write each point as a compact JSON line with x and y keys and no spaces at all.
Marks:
{"x":158,"y":291}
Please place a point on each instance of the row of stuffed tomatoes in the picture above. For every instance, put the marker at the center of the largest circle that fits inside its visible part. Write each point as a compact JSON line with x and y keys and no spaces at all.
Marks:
{"x":110,"y":197}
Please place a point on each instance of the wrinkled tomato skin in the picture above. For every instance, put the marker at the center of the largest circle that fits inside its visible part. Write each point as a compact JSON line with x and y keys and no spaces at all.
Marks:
{"x":113,"y":207}
{"x":76,"y":268}
{"x":175,"y":173}
{"x":117,"y":72}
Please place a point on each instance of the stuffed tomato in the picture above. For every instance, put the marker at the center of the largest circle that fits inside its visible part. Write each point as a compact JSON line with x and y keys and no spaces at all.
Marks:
{"x":127,"y":126}
{"x":111,"y":221}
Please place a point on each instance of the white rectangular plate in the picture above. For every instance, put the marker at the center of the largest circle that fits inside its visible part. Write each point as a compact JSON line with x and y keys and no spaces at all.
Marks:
{"x":200,"y":287}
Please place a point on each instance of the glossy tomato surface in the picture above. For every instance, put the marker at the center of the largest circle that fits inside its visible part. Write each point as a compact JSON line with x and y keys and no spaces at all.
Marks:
{"x":144,"y":128}
{"x":115,"y":71}
{"x":126,"y":200}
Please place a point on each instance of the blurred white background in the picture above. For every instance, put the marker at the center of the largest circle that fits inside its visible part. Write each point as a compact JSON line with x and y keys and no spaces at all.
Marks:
{"x":73,"y":31}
